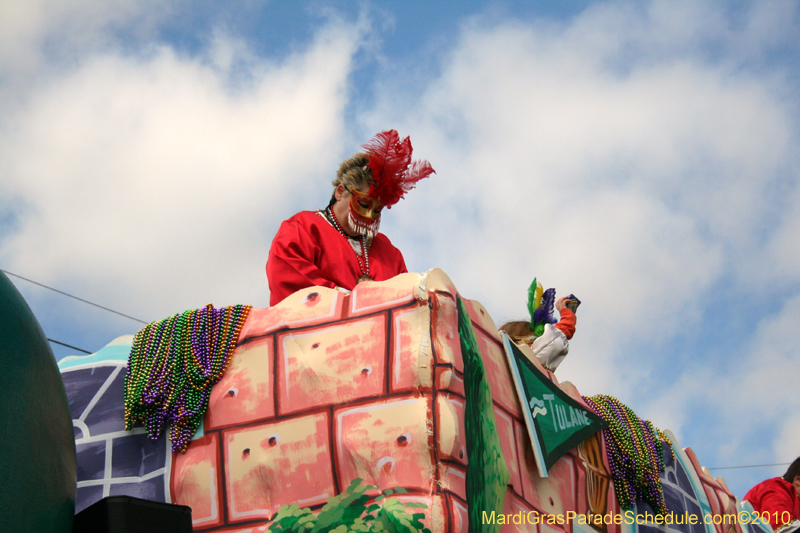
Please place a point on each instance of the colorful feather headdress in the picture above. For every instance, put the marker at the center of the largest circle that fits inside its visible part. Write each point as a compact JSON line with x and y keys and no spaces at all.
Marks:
{"x":392,"y":169}
{"x":540,"y":306}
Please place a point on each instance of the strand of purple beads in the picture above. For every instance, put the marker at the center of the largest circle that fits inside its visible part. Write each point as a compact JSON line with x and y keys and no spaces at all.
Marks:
{"x":634,"y":453}
{"x":172,"y":366}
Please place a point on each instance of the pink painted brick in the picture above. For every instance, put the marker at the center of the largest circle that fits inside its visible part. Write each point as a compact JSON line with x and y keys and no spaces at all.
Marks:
{"x":696,"y":464}
{"x":505,"y":431}
{"x":385,"y":443}
{"x":518,"y":511}
{"x":480,"y":316}
{"x":452,"y":440}
{"x":246,"y":391}
{"x":459,"y":515}
{"x":278,"y":463}
{"x":453,"y":479}
{"x":331,"y":364}
{"x":411,"y":364}
{"x":195,"y":481}
{"x":553,"y":495}
{"x":306,"y":307}
{"x":370,"y":296}
{"x":245,"y":529}
{"x":448,"y":380}
{"x":444,"y":322}
{"x":435,"y":280}
{"x":498,"y":374}
{"x":712,"y":499}
{"x":552,"y":527}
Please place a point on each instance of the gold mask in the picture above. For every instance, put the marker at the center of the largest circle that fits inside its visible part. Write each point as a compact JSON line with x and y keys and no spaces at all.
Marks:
{"x":364,"y":205}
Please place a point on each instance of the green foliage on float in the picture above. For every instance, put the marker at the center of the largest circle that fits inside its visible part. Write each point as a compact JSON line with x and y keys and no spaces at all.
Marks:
{"x":351,"y":511}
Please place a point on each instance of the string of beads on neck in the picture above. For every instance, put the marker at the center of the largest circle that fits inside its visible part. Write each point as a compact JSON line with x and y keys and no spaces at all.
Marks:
{"x":363,"y":259}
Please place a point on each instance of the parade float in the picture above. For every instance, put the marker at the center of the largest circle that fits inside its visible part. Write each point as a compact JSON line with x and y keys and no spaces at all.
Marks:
{"x":395,"y":407}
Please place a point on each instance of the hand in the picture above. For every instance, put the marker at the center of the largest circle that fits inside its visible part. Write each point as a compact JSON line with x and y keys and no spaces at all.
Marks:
{"x":561,"y":303}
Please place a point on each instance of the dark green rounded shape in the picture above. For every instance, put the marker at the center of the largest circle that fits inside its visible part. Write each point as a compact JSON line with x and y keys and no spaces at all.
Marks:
{"x":37,"y":446}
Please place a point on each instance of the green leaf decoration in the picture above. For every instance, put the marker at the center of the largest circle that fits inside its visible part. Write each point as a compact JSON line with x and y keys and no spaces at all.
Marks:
{"x":488,"y":475}
{"x":351,"y":512}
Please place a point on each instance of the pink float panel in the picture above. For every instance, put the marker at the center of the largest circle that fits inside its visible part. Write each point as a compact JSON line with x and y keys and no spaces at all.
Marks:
{"x":306,"y":307}
{"x":449,"y":380}
{"x":246,"y":391}
{"x":444,"y":331}
{"x":550,"y":528}
{"x":436,"y":281}
{"x":498,"y":373}
{"x":727,"y":506}
{"x":453,"y":479}
{"x":712,"y":500}
{"x":386,"y":443}
{"x":518,"y":511}
{"x":277,"y":463}
{"x":505,"y":431}
{"x":244,"y":529}
{"x":696,"y":464}
{"x":554,"y":494}
{"x":449,"y":428}
{"x":331,"y":364}
{"x":410,"y":364}
{"x":459,"y":515}
{"x":480,"y":317}
{"x":370,"y":297}
{"x":196,"y":481}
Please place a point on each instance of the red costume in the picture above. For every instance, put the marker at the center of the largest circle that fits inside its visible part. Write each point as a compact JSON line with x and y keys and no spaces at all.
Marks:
{"x":777,"y":497}
{"x":567,"y":322}
{"x":308,"y":252}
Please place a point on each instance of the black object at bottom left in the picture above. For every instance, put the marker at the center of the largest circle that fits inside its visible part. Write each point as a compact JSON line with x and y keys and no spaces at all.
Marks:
{"x":125,"y":514}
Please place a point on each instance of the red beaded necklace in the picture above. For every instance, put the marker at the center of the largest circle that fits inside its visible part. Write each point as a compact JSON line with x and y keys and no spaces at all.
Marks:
{"x":363,"y":259}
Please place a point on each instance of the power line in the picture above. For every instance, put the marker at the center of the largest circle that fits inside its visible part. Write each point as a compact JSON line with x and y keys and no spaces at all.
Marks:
{"x":67,"y":345}
{"x":746,"y":466}
{"x":75,"y":297}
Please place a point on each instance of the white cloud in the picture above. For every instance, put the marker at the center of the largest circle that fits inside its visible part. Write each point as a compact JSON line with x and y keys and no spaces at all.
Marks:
{"x":160,"y":171}
{"x":35,"y":32}
{"x":624,"y":158}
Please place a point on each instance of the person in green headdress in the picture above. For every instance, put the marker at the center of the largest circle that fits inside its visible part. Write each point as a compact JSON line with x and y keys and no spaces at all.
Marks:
{"x":548,"y":339}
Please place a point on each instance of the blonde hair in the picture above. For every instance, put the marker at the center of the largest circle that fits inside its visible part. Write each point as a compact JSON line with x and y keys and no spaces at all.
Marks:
{"x":353,"y":173}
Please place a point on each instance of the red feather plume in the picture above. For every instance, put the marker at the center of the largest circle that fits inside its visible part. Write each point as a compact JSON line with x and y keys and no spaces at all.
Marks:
{"x":392,"y":169}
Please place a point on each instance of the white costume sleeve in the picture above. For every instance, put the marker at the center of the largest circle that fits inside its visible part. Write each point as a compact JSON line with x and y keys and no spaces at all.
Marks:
{"x":551,"y":348}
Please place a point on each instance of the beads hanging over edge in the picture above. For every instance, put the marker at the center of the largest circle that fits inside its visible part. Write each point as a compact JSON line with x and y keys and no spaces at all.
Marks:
{"x":633,"y":447}
{"x":172,"y":366}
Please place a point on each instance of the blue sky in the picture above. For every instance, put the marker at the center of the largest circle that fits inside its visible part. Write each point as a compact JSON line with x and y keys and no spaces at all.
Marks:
{"x":642,"y":155}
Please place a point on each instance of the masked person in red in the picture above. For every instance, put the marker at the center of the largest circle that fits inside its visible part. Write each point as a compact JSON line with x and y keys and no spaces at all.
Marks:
{"x":776,"y":498}
{"x":339,"y":246}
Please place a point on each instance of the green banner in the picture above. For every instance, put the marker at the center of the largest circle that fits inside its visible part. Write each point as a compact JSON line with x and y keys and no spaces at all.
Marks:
{"x":556,"y":422}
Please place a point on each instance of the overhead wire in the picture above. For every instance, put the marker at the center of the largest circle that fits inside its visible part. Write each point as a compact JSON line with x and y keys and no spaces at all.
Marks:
{"x":75,"y":297}
{"x":68,"y":346}
{"x":745,"y":466}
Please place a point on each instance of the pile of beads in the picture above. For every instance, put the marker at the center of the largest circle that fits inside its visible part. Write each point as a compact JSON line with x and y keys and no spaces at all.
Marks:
{"x":634,"y":450}
{"x":173,"y":364}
